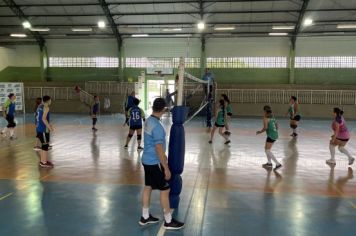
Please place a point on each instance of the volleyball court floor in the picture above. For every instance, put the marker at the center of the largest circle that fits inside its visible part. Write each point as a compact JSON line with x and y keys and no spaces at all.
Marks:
{"x":95,"y":187}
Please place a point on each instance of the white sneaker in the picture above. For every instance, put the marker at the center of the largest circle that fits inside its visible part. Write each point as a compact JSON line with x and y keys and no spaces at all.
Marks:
{"x":351,"y":161}
{"x":331,"y":162}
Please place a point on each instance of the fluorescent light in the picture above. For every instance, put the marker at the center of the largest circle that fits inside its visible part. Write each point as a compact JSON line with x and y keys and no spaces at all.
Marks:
{"x":40,"y":29}
{"x":346,"y":26}
{"x":201,"y":25}
{"x":139,"y":35}
{"x":26,"y":24}
{"x":183,"y":35}
{"x":286,"y":27}
{"x":224,"y":28}
{"x":308,"y":22}
{"x":18,"y":35}
{"x":82,"y":29}
{"x":170,"y":30}
{"x":278,"y":34}
{"x":101,"y":24}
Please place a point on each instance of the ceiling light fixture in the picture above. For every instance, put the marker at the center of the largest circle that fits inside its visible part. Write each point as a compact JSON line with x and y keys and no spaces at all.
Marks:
{"x":101,"y":24}
{"x":82,"y":29}
{"x":224,"y":28}
{"x":308,"y":22}
{"x":139,"y":35}
{"x":201,"y":25}
{"x":26,"y":24}
{"x":40,"y":29}
{"x":18,"y":35}
{"x":346,"y":26}
{"x":286,"y":27}
{"x":172,"y":30}
{"x":278,"y":34}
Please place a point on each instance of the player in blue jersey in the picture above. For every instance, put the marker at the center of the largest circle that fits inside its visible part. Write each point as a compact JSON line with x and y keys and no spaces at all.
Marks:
{"x":38,"y":102}
{"x":135,"y":115}
{"x":8,"y":110}
{"x":128,"y":104}
{"x":43,"y":129}
{"x":94,"y":111}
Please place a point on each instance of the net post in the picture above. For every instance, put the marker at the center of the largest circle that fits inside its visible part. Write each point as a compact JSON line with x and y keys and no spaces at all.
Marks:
{"x":180,"y":81}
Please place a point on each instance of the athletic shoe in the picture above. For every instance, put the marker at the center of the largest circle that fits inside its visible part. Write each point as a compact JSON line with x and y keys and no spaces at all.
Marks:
{"x":3,"y":134}
{"x":210,"y":142}
{"x":227,"y":142}
{"x":13,"y":137}
{"x":277,"y":167}
{"x":352,"y":160}
{"x":50,"y":163}
{"x":139,"y":148}
{"x":50,"y":147}
{"x":227,"y":133}
{"x":37,"y":148}
{"x":331,"y":162}
{"x":294,"y":135}
{"x":174,"y":225}
{"x":267,"y":166}
{"x":126,"y":147}
{"x":149,"y":220}
{"x":94,"y":129}
{"x":46,"y":165}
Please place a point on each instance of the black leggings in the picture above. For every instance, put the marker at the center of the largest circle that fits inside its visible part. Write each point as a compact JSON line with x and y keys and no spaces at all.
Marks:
{"x":94,"y":121}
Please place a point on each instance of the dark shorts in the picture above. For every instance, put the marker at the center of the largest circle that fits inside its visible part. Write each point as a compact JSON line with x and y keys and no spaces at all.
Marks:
{"x":229,"y":114}
{"x":220,"y":126}
{"x":343,"y":140}
{"x":296,"y":118}
{"x":269,"y":140}
{"x":135,"y":127}
{"x":10,"y":121}
{"x":43,"y":137}
{"x":155,"y":178}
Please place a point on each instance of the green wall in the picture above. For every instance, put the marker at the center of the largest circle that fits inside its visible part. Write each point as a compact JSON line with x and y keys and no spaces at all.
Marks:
{"x":326,"y":76}
{"x":20,"y":74}
{"x":82,"y":74}
{"x":251,"y":76}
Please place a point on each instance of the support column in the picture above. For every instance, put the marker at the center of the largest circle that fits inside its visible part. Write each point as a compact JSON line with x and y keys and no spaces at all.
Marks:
{"x":202,"y":57}
{"x":122,"y":61}
{"x":44,"y":63}
{"x":291,"y":64}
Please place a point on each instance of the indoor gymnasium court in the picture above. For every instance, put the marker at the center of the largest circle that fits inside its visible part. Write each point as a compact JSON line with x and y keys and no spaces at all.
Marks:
{"x":239,"y":117}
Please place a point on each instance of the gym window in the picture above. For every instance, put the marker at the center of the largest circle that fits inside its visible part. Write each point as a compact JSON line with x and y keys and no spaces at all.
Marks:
{"x":325,"y":62}
{"x":247,"y":62}
{"x":95,"y":62}
{"x":160,"y":62}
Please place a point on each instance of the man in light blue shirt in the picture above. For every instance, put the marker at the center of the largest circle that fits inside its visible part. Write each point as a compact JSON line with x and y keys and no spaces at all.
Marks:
{"x":208,"y":76}
{"x":155,"y":163}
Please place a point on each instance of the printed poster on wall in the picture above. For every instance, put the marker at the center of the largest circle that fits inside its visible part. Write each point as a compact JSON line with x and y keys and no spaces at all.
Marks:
{"x":15,"y":88}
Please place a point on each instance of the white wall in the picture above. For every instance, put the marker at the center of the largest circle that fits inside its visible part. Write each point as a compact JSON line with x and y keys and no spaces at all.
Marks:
{"x":247,"y":47}
{"x":159,"y":47}
{"x":326,"y":46}
{"x":6,"y":56}
{"x":82,"y":48}
{"x":20,"y":56}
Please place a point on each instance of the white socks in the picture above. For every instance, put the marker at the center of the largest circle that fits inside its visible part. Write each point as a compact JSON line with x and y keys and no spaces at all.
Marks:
{"x":145,"y":213}
{"x":344,"y":151}
{"x":270,"y":157}
{"x":332,"y":151}
{"x":12,"y":132}
{"x":168,"y":217}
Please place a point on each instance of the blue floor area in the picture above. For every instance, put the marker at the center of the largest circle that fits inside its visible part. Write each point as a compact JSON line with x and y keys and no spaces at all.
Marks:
{"x":46,"y":208}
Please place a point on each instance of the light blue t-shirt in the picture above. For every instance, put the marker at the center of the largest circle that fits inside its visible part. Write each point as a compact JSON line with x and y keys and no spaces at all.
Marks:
{"x":209,"y":77}
{"x":154,"y":134}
